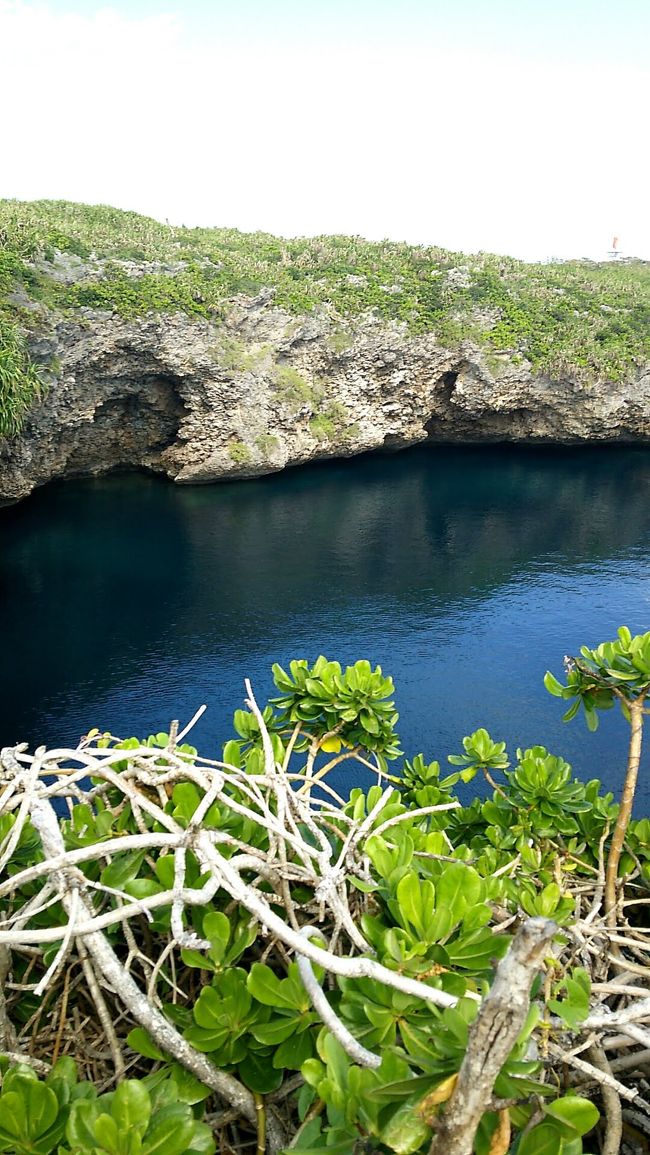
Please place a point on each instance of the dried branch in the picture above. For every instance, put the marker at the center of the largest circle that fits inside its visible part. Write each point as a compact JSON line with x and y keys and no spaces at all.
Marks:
{"x":491,"y":1038}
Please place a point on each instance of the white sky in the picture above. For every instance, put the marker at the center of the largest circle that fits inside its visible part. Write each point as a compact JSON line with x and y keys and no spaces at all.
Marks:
{"x":399,"y":120}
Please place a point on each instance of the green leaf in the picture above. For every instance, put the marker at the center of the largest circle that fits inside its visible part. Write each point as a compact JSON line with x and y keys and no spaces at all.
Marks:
{"x":547,"y":901}
{"x":553,"y":686}
{"x":343,"y":1148}
{"x":591,"y":718}
{"x":258,"y":1074}
{"x":131,"y":1107}
{"x":170,"y":1132}
{"x":264,"y":985}
{"x":189,"y":1089}
{"x":138,"y":1040}
{"x":572,"y":711}
{"x":458,"y":888}
{"x":581,"y":1114}
{"x":275,"y":1032}
{"x":232,"y":753}
{"x":28,"y":1110}
{"x":417,"y":903}
{"x":186,"y":798}
{"x":107,"y":1134}
{"x":294,"y":1052}
{"x":216,"y":928}
{"x":544,"y":1139}
{"x":331,"y":1051}
{"x":405,"y":1131}
{"x":80,"y":1129}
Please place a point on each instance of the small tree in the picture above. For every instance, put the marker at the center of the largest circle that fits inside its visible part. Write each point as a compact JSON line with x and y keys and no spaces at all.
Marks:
{"x":617,"y":671}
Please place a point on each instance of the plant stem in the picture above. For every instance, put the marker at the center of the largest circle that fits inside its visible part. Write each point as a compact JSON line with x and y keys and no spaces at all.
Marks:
{"x":261,"y":1123}
{"x":625,"y":809}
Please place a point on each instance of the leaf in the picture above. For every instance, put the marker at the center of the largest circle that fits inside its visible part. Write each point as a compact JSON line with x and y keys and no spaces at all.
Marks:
{"x":458,"y":887}
{"x":232,"y":753}
{"x":170,"y":1132}
{"x":264,"y":985}
{"x":131,"y":1107}
{"x":547,"y":901}
{"x":572,"y":711}
{"x":107,"y":1134}
{"x":338,"y":1063}
{"x":591,"y":718}
{"x":138,"y":1040}
{"x":331,"y":745}
{"x":202,"y":1141}
{"x":343,"y":1148}
{"x":401,"y":1088}
{"x":275,"y":1032}
{"x":186,"y":798}
{"x":405,"y":1131}
{"x":578,"y":1113}
{"x":476,"y":950}
{"x":80,"y":1129}
{"x":258,"y":1073}
{"x":553,"y":686}
{"x":28,"y":1111}
{"x":294,"y":1052}
{"x":544,"y":1139}
{"x":500,"y":1141}
{"x":216,"y":928}
{"x":439,"y":1095}
{"x":416,"y":900}
{"x":575,"y":1007}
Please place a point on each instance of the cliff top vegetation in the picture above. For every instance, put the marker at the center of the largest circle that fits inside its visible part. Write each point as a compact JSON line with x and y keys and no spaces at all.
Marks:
{"x":573,"y":316}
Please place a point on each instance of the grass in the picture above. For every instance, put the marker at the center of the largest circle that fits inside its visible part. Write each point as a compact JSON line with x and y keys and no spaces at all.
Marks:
{"x":574,"y":316}
{"x":20,"y":382}
{"x":239,"y":453}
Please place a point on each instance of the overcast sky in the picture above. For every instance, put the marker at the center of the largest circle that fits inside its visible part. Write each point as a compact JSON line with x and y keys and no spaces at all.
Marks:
{"x":516,"y":126}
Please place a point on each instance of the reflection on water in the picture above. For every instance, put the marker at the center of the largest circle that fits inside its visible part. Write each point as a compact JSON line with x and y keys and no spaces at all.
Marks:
{"x":465,"y":573}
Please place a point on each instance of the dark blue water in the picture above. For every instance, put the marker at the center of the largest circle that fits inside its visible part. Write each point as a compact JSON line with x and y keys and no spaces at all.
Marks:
{"x":127,"y":601}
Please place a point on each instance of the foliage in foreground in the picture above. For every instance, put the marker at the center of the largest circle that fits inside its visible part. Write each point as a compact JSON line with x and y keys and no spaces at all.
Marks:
{"x":322,"y":964}
{"x":59,"y":1115}
{"x":579,"y":317}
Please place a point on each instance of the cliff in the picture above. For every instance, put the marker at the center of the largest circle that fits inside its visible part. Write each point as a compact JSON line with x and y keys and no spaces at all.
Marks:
{"x":222,"y":384}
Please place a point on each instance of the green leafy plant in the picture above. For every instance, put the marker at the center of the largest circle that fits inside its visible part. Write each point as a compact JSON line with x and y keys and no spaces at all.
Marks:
{"x":321,"y":964}
{"x":63,"y":1116}
{"x":239,"y":452}
{"x":20,"y":381}
{"x":613,"y":672}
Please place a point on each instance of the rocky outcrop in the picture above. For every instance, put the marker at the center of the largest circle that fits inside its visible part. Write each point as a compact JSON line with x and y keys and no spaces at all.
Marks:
{"x":265,"y":390}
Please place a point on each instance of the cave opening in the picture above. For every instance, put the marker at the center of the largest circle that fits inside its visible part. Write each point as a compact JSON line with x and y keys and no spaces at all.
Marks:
{"x":133,"y":426}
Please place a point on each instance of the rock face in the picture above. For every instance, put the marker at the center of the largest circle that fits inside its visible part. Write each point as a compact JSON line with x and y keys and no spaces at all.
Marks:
{"x":266,"y":390}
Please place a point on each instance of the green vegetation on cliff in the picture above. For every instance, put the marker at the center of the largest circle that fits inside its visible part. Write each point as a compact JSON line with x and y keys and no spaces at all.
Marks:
{"x":575,"y":316}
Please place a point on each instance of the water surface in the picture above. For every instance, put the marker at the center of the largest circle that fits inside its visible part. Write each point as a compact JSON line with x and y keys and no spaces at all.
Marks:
{"x":126,"y":601}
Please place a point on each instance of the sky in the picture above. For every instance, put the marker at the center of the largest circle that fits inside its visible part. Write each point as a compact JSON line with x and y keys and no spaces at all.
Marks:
{"x":511,"y":126}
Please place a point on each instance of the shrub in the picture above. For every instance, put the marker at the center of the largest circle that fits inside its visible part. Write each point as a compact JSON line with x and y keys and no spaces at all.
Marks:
{"x":188,"y":910}
{"x":239,"y":452}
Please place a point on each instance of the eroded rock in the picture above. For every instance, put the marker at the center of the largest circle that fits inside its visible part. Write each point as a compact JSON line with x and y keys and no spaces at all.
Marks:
{"x":265,"y":390}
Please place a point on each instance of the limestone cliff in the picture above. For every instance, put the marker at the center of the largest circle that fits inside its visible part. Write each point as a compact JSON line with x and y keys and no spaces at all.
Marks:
{"x":208,"y":353}
{"x":265,"y":389}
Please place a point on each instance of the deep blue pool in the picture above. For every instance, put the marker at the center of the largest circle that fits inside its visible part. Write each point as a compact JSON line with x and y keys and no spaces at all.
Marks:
{"x":127,"y":601}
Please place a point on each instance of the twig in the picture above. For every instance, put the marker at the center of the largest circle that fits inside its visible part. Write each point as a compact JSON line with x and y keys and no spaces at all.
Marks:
{"x":611,"y":1101}
{"x":593,"y":1073}
{"x":103,"y":1013}
{"x":351,"y":1046}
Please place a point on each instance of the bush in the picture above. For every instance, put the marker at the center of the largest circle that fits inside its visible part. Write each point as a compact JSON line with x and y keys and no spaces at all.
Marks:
{"x":380,"y":973}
